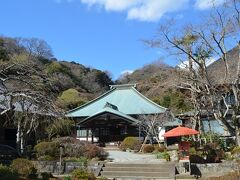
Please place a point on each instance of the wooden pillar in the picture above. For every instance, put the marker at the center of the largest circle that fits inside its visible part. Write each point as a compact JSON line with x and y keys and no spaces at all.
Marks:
{"x":92,"y":136}
{"x":87,"y":134}
{"x":100,"y":139}
{"x":126,"y":129}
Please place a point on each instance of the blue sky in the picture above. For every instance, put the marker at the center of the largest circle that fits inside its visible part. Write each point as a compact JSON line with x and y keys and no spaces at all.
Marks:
{"x":104,"y":34}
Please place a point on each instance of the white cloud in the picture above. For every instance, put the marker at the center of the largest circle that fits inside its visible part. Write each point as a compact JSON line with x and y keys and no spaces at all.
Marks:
{"x":206,"y":4}
{"x":113,"y":5}
{"x":148,"y":10}
{"x":144,"y":10}
{"x":153,"y":10}
{"x":185,"y":64}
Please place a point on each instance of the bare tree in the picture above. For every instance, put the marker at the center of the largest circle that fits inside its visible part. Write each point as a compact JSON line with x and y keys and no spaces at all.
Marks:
{"x":150,"y":125}
{"x":195,"y":44}
{"x":36,"y":47}
{"x":25,"y":94}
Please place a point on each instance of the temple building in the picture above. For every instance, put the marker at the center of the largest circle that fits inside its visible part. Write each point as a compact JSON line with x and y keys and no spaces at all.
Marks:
{"x":116,"y":114}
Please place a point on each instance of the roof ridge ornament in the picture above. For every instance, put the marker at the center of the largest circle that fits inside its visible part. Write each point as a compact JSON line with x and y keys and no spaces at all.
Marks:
{"x":112,"y":106}
{"x":123,"y":86}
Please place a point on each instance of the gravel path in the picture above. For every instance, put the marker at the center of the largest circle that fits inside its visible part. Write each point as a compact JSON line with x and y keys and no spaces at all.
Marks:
{"x":130,"y":157}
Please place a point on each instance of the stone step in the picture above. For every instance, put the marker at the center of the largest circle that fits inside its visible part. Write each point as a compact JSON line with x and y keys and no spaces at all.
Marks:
{"x":160,"y":165}
{"x":139,"y":178}
{"x":118,"y":174}
{"x":137,"y":169}
{"x":185,"y":177}
{"x":128,"y":171}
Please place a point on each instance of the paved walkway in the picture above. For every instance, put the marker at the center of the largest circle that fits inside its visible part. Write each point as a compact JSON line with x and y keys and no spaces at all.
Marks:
{"x":130,"y":157}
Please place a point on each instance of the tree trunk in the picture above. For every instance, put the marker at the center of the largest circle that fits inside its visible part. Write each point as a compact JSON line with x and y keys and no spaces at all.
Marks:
{"x":144,"y":142}
{"x":18,"y":140}
{"x":21,"y":143}
{"x":237,"y":131}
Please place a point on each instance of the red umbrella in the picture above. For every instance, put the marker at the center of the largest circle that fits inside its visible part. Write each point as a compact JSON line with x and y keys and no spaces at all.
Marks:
{"x":180,"y":131}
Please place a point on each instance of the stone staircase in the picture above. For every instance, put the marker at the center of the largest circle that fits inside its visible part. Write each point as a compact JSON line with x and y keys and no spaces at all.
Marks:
{"x":131,"y":171}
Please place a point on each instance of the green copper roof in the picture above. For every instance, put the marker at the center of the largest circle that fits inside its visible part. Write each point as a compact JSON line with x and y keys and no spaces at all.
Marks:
{"x":128,"y":100}
{"x":114,"y":112}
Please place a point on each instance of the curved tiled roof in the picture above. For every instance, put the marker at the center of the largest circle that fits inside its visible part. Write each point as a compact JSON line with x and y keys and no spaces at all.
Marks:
{"x":128,"y":100}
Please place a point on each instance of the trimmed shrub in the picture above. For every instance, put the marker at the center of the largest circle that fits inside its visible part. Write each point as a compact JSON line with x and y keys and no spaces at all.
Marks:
{"x":92,"y":151}
{"x":49,"y":149}
{"x":192,"y":151}
{"x":8,"y":173}
{"x":80,"y":174}
{"x":236,"y":150}
{"x":73,"y":150}
{"x":47,"y":158}
{"x":160,"y":148}
{"x":72,"y":147}
{"x":148,"y":148}
{"x":24,"y":167}
{"x":130,"y":143}
{"x":163,"y":155}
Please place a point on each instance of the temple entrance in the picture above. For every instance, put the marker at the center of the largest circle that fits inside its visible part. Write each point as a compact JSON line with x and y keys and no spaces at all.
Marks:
{"x":106,"y":127}
{"x":106,"y":134}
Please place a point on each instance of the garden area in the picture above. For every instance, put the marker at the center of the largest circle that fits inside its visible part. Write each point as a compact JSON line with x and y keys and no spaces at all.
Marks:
{"x":214,"y":149}
{"x":71,"y":159}
{"x":51,"y":159}
{"x":214,"y":157}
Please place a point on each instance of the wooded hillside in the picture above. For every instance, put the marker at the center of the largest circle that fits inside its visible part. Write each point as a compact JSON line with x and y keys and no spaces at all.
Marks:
{"x":70,"y":83}
{"x":158,"y":82}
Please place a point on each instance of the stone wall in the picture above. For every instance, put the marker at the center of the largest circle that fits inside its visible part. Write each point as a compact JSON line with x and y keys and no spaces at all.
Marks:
{"x":214,"y":168}
{"x":66,"y":167}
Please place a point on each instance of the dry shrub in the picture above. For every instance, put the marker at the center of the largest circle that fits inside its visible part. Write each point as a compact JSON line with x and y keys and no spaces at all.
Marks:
{"x":148,"y":148}
{"x":236,"y":152}
{"x":92,"y":151}
{"x":159,"y":148}
{"x":24,"y":167}
{"x":71,"y":148}
{"x":49,"y":149}
{"x":131,"y":143}
{"x":81,"y":174}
